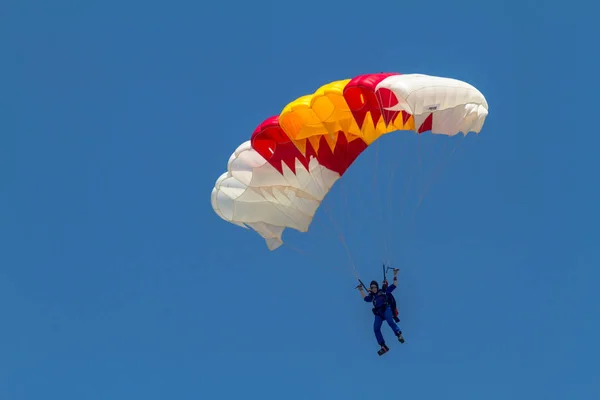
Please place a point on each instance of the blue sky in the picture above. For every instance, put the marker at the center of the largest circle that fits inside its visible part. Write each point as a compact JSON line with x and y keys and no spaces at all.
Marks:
{"x":118,"y":281}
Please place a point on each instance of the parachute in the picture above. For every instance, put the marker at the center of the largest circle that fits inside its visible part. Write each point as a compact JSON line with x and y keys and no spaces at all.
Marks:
{"x":279,"y":178}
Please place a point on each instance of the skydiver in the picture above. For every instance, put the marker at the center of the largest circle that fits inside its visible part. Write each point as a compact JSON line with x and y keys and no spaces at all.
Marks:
{"x":382,"y":311}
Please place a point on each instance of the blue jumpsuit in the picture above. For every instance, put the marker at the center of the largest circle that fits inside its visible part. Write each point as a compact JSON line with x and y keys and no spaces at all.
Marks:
{"x":382,"y":313}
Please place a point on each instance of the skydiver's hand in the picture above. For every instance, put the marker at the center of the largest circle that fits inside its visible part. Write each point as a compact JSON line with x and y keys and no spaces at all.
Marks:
{"x":396,"y":271}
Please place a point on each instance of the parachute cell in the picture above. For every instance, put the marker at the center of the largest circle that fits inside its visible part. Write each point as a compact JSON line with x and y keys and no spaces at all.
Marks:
{"x":279,"y":178}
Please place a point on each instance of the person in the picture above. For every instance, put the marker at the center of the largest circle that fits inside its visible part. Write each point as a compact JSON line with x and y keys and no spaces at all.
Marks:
{"x":382,"y":310}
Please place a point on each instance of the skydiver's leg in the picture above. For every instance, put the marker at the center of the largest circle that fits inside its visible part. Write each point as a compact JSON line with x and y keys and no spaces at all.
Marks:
{"x":389,"y":317}
{"x":377,"y":329}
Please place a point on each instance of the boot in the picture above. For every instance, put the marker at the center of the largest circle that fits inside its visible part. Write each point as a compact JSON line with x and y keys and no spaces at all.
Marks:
{"x":384,"y":349}
{"x":400,"y":337}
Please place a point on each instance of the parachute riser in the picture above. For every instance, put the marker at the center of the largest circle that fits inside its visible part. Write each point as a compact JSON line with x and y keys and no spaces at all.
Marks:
{"x":361,"y":284}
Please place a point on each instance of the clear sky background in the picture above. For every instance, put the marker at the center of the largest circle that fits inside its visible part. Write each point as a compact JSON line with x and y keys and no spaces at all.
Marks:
{"x":118,"y":281}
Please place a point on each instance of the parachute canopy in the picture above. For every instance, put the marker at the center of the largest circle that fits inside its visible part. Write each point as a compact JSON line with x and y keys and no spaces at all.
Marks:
{"x":279,"y":177}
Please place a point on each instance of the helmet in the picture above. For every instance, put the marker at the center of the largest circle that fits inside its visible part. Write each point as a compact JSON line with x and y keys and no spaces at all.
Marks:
{"x":374,"y":283}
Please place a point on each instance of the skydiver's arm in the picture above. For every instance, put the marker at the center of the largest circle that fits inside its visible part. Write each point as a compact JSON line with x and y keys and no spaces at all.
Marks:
{"x":367,"y":297}
{"x":394,"y":285}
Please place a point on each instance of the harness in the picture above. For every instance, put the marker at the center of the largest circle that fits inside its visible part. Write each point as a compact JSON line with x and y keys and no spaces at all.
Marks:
{"x":377,"y":310}
{"x":390,"y":301}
